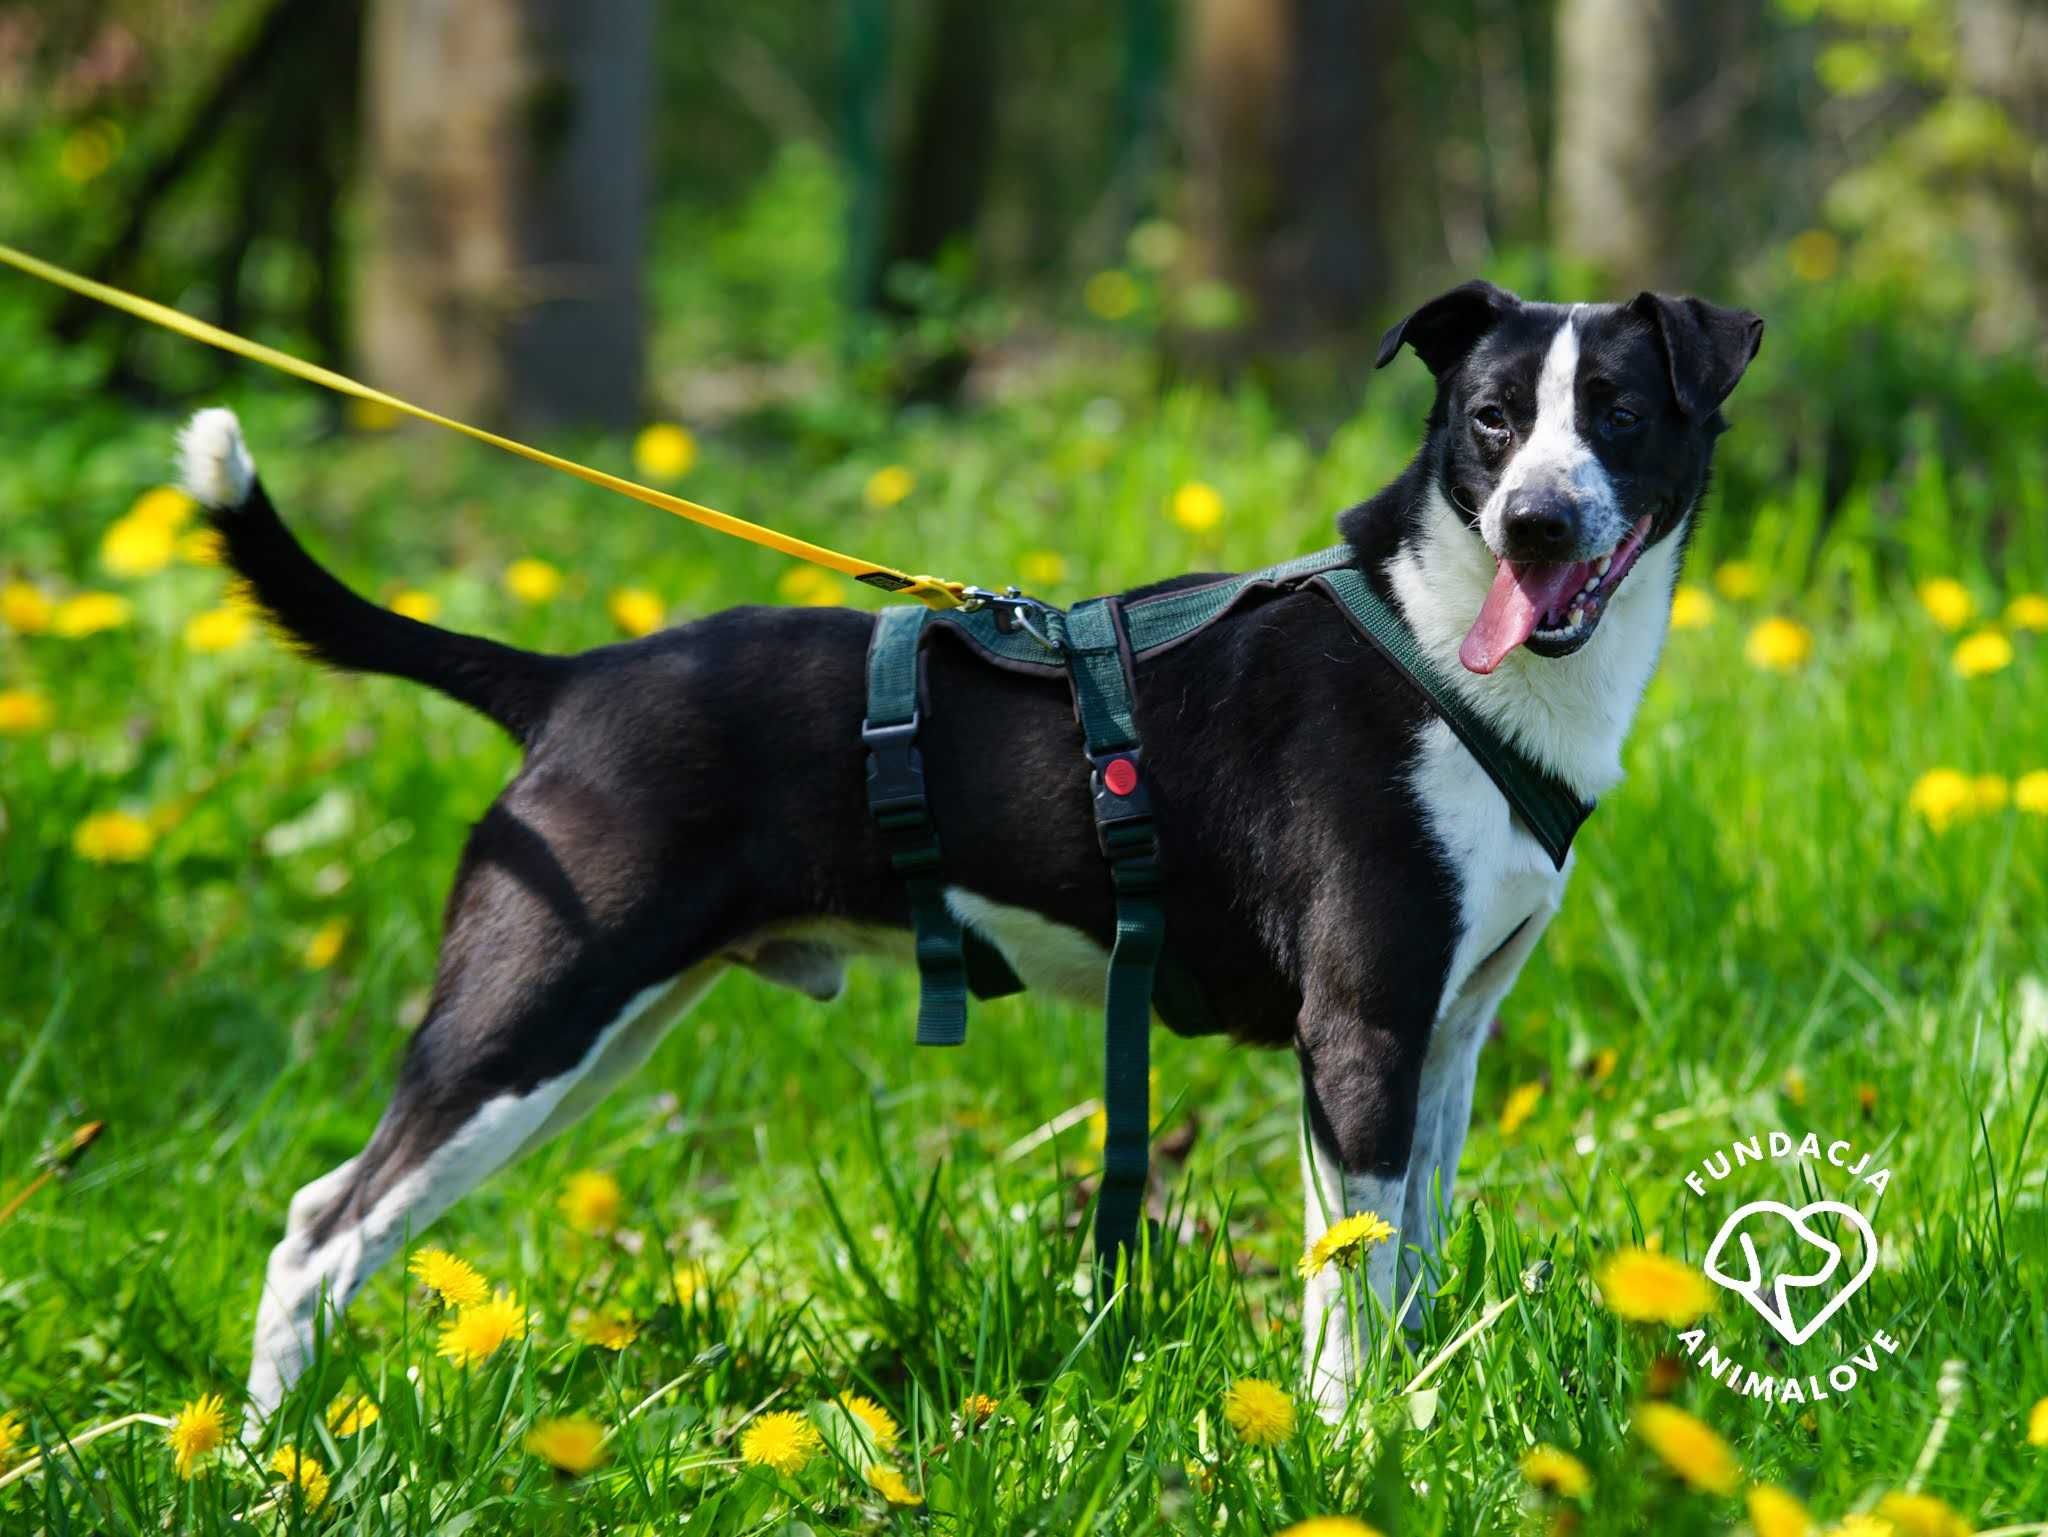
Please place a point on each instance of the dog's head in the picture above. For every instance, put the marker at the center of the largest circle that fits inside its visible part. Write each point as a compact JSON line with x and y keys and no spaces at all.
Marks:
{"x":1571,"y":438}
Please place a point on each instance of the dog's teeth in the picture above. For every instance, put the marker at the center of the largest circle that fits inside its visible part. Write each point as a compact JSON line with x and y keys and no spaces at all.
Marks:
{"x":1578,"y":617}
{"x":1592,"y":582}
{"x":1605,"y":562}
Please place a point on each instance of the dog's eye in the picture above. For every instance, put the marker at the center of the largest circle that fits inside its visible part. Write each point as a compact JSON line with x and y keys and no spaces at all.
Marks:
{"x":1491,"y":420}
{"x":1621,"y":418}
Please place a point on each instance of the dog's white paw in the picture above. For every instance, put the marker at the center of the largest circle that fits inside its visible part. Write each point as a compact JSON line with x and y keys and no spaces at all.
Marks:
{"x":213,"y":461}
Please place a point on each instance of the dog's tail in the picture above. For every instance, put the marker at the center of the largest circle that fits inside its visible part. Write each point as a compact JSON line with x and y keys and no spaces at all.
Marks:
{"x":335,"y":625}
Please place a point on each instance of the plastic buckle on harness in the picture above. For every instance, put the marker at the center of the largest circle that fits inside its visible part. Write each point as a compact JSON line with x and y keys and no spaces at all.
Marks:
{"x":1123,"y":811}
{"x":895,"y":774}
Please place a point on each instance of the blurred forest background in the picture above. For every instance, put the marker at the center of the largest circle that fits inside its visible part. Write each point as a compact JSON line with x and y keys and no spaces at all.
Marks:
{"x":803,"y":215}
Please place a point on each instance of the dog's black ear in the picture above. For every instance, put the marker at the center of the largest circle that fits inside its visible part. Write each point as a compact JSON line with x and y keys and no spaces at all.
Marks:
{"x":1707,"y":347}
{"x":1448,"y":327}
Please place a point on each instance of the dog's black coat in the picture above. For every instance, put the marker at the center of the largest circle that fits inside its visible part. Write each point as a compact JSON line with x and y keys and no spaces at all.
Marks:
{"x":684,"y":792}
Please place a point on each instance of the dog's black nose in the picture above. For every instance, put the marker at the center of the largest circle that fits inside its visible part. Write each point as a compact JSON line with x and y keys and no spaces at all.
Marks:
{"x":1539,"y":525}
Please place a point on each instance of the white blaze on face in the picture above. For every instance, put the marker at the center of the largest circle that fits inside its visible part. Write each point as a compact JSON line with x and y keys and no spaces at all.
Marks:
{"x":1555,"y":455}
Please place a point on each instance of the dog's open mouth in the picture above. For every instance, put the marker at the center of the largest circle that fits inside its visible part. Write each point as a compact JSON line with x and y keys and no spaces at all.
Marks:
{"x":1553,"y":608}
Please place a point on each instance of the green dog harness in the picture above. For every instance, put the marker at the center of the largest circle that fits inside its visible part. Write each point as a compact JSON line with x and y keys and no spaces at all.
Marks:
{"x":1100,"y":645}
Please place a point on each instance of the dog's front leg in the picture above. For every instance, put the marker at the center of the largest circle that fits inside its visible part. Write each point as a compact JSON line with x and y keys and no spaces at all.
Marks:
{"x":1359,"y":1088}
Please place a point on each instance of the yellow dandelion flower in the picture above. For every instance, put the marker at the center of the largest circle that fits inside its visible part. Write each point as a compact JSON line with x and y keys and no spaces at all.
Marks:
{"x":202,"y":547}
{"x":1521,"y":1104}
{"x":1866,"y":1097}
{"x":1922,"y":1515}
{"x":1738,"y":581}
{"x":1345,"y":1241}
{"x":1941,"y":796}
{"x":810,"y":585}
{"x":1112,"y":295}
{"x":1778,"y":645}
{"x":414,"y":604}
{"x":2028,"y":611}
{"x":1948,"y":602}
{"x":609,"y":1331}
{"x":134,"y":547}
{"x":1041,"y":568}
{"x":23,"y":710}
{"x":2030,"y":793}
{"x":113,"y":838}
{"x":1556,"y":1471}
{"x":1653,"y":1288}
{"x":2037,"y":1423}
{"x":371,"y":415}
{"x":784,"y":1441}
{"x":1793,"y":1085}
{"x":636,"y":610}
{"x":1861,"y":1523}
{"x":979,"y":1408}
{"x":893,"y":1486}
{"x":302,"y":1472}
{"x":1331,"y":1526}
{"x":1689,"y":1448}
{"x":1602,"y":1065}
{"x":1196,"y":507}
{"x":88,"y":613}
{"x":324,"y":948}
{"x":532,"y":581}
{"x":25,"y":609}
{"x":664,"y":451}
{"x":888,"y":486}
{"x":477,"y":1333}
{"x":591,"y":1201}
{"x":1989,"y":793}
{"x":1774,"y":1513}
{"x":876,"y":1420}
{"x":455,"y":1281}
{"x":571,"y":1444}
{"x":165,"y":506}
{"x":352,"y":1413}
{"x":1691,"y":608}
{"x":199,"y":1430}
{"x":219,"y":629}
{"x":689,"y":1279}
{"x":1261,"y":1414}
{"x":1813,"y":255}
{"x":12,"y":1434}
{"x":1981,"y":654}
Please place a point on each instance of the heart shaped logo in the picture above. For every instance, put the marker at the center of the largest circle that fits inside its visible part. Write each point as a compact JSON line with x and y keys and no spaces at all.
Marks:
{"x":1770,"y":1295}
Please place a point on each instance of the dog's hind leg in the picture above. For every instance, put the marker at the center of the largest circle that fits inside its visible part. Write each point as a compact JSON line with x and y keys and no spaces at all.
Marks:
{"x":429,"y":1151}
{"x":558,"y":976}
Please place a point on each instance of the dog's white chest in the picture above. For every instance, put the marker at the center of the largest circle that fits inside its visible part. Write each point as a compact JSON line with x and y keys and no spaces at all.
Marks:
{"x":1503,"y":874}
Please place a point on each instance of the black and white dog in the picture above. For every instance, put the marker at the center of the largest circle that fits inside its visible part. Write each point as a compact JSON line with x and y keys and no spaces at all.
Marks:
{"x":1340,"y":876}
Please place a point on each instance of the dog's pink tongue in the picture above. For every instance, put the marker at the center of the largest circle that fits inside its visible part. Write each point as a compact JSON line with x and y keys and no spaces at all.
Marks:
{"x":1518,"y":600}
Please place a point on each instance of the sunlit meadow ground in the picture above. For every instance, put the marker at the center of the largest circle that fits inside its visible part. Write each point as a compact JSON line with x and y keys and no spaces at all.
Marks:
{"x":1763,"y":932}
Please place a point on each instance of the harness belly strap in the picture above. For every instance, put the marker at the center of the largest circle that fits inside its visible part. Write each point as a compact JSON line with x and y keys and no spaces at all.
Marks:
{"x":1098,"y":662}
{"x":950,"y":961}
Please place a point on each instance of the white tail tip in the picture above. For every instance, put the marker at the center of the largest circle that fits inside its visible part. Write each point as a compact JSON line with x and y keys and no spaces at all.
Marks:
{"x":213,"y":461}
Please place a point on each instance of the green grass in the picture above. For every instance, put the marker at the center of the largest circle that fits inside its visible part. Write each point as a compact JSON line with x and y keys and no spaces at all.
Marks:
{"x":1757,"y":899}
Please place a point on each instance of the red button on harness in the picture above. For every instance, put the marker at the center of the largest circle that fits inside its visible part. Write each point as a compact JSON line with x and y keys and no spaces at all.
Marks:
{"x":1120,"y":776}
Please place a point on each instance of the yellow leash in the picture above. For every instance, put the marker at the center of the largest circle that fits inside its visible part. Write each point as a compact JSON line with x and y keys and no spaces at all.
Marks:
{"x":930,"y":590}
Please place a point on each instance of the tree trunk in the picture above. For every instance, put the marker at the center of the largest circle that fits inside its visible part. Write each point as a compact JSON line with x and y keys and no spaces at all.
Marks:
{"x":1284,"y":105}
{"x":1606,"y":199}
{"x":507,"y":171}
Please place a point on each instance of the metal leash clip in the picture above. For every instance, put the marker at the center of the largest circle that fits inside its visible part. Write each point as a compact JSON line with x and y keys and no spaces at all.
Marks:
{"x":1012,"y":607}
